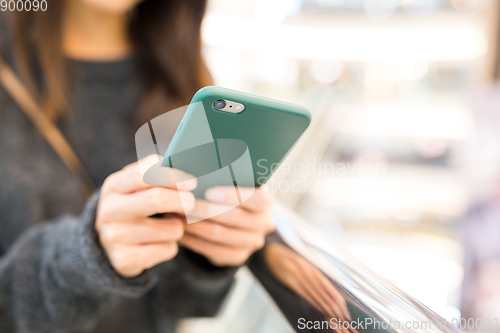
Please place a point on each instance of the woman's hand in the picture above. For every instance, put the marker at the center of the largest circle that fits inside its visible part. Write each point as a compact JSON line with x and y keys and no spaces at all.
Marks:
{"x":132,"y":239}
{"x":228,"y":239}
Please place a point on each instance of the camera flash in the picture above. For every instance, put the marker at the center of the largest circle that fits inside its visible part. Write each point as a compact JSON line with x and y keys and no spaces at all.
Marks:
{"x":239,"y":108}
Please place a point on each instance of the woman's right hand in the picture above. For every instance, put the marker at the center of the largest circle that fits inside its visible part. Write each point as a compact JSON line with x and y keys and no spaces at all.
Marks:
{"x":133,"y":240}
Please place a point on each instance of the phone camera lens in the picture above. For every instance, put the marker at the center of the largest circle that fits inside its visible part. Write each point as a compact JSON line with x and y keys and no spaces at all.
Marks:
{"x":219,"y":104}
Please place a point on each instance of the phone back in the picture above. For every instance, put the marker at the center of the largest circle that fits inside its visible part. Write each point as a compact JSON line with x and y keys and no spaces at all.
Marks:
{"x":253,"y":141}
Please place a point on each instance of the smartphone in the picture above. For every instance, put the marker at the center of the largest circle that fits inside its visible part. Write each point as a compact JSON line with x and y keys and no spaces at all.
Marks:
{"x":227,"y":137}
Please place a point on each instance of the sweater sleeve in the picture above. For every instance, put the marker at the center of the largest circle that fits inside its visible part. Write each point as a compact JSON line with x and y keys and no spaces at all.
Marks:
{"x":57,"y":278}
{"x":190,"y":286}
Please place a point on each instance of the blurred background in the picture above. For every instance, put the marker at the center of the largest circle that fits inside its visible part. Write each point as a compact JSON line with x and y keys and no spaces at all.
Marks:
{"x":402,"y":161}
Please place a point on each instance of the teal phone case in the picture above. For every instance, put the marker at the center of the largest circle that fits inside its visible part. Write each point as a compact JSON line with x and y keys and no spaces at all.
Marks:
{"x":201,"y":146}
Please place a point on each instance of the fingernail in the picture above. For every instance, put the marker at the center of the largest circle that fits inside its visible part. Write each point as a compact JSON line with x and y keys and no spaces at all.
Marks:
{"x":215,"y":195}
{"x":184,"y":177}
{"x":186,"y":181}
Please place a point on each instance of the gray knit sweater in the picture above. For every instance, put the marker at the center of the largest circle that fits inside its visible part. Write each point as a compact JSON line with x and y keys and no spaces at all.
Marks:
{"x":54,"y":276}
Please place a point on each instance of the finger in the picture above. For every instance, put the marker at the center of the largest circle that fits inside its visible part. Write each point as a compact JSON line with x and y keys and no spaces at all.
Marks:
{"x":217,"y":254}
{"x":147,"y":162}
{"x":223,"y":235}
{"x":258,"y":199}
{"x":154,"y":173}
{"x":171,"y":229}
{"x":130,"y":180}
{"x":131,"y":260}
{"x":156,"y":200}
{"x":123,"y":182}
{"x":236,"y":217}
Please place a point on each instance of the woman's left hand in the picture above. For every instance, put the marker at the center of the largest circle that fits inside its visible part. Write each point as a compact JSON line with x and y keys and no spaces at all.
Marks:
{"x":228,"y":239}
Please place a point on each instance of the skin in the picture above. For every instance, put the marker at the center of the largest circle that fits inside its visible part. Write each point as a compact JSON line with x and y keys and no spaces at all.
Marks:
{"x":96,"y":30}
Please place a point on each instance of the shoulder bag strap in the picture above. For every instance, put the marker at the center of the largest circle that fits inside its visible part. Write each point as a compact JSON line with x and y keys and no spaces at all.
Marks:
{"x":15,"y":88}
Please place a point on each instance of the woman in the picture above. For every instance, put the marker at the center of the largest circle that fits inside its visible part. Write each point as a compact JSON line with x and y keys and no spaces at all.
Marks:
{"x":99,"y":69}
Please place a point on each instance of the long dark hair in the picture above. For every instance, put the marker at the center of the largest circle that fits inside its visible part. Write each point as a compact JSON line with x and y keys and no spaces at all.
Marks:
{"x":165,"y":33}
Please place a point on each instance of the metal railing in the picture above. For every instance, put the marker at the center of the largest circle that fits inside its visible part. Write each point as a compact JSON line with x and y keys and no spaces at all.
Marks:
{"x":306,"y":282}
